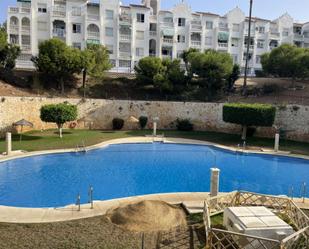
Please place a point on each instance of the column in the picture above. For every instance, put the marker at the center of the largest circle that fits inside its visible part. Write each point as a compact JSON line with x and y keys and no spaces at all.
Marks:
{"x":8,"y":143}
{"x":214,"y":181}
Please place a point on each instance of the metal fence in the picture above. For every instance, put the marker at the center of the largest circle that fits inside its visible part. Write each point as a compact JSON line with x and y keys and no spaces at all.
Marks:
{"x":217,"y":238}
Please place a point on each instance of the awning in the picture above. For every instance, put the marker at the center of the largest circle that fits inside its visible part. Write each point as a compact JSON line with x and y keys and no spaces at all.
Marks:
{"x":223,"y":36}
{"x":168,"y":32}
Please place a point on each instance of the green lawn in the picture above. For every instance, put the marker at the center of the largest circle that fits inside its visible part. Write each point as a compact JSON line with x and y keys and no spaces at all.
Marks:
{"x":47,"y":140}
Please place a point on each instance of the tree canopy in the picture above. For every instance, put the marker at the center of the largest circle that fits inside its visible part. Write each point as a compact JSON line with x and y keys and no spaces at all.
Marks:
{"x":59,"y":114}
{"x":8,"y":52}
{"x":249,"y":115}
{"x":58,"y":60}
{"x":286,"y":61}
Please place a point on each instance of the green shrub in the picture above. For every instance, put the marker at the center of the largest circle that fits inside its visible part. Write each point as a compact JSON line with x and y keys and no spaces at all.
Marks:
{"x":143,"y":121}
{"x":249,"y":115}
{"x":118,"y":123}
{"x":59,"y":114}
{"x":184,"y":125}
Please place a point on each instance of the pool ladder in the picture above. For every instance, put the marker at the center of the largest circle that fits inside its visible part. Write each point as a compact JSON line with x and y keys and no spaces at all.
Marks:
{"x":90,"y":198}
{"x":303,"y":192}
{"x":81,"y":147}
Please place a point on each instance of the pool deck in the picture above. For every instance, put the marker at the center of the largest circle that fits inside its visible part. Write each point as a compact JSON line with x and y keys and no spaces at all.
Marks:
{"x":70,"y":212}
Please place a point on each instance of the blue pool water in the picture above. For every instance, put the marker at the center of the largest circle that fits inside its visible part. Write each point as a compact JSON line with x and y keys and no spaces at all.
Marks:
{"x":135,"y":169}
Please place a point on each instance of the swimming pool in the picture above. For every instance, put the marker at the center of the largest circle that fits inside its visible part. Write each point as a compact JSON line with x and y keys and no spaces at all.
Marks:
{"x":135,"y":169}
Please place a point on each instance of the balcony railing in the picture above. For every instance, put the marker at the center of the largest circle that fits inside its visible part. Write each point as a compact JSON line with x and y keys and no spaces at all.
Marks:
{"x":223,"y":28}
{"x":13,"y":9}
{"x":92,"y":17}
{"x":223,"y":45}
{"x":125,"y":54}
{"x":274,"y":33}
{"x":125,"y":37}
{"x":153,"y":33}
{"x":125,"y":19}
{"x":93,"y":35}
{"x":24,"y":10}
{"x":25,"y":29}
{"x":59,"y":32}
{"x":58,"y":11}
{"x":14,"y":29}
{"x":196,"y":43}
{"x":168,"y":24}
{"x":251,"y":47}
{"x":298,"y":36}
{"x":168,"y":40}
{"x":26,"y":48}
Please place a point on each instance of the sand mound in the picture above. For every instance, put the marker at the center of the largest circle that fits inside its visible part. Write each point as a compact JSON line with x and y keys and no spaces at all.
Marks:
{"x":148,"y":216}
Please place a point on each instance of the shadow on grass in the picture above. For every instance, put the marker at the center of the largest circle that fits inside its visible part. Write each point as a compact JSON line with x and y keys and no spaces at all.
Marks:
{"x":26,"y":137}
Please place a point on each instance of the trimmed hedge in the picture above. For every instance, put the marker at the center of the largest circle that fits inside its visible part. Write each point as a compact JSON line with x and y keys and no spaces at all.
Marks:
{"x":249,"y":114}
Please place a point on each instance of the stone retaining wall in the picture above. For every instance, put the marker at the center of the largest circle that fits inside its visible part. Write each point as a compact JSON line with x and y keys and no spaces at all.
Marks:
{"x":99,"y":114}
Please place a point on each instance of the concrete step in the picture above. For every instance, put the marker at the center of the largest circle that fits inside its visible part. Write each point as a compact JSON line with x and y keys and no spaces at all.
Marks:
{"x":193,"y":207}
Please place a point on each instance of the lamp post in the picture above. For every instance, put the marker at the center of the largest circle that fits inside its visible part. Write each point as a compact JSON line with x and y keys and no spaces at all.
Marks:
{"x":244,"y":90}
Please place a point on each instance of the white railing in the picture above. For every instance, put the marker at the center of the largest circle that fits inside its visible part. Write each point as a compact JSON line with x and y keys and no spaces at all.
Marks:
{"x":58,"y":32}
{"x":93,"y":35}
{"x":196,"y":43}
{"x":274,"y":33}
{"x":168,"y":40}
{"x":58,"y":11}
{"x":124,"y":18}
{"x":25,"y":29}
{"x":298,"y":36}
{"x":223,"y":28}
{"x":26,"y":47}
{"x":223,"y":45}
{"x":25,"y":10}
{"x":13,"y":9}
{"x":196,"y":27}
{"x":153,"y":33}
{"x":168,"y":24}
{"x":125,"y":37}
{"x":124,"y":54}
{"x":93,"y":17}
{"x":14,"y":28}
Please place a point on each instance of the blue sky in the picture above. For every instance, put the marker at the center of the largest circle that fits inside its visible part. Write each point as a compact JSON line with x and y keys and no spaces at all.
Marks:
{"x":268,"y":9}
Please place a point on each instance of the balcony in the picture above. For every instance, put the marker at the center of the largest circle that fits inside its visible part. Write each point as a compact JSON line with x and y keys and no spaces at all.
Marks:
{"x":125,"y":19}
{"x":298,"y":36}
{"x":91,"y":17}
{"x":153,"y":33}
{"x":24,"y":10}
{"x":25,"y":30}
{"x":125,"y":37}
{"x":196,"y":44}
{"x":196,"y":25}
{"x":223,"y":27}
{"x":223,"y":45}
{"x":26,"y":48}
{"x":274,"y":33}
{"x":168,"y":40}
{"x":124,"y":55}
{"x":60,"y":33}
{"x":167,"y":24}
{"x":93,"y":35}
{"x":14,"y":29}
{"x":58,"y":11}
{"x":13,"y":10}
{"x":251,"y":47}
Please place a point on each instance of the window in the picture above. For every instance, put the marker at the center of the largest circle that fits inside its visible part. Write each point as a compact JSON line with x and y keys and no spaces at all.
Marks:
{"x":235,"y":42}
{"x":181,"y":22}
{"x":77,"y":45}
{"x":76,"y":11}
{"x":208,"y":41}
{"x":25,"y":39}
{"x":109,"y":14}
{"x":140,"y":17}
{"x":42,"y":26}
{"x":77,"y":28}
{"x":181,"y":39}
{"x":258,"y":59}
{"x":260,"y":43}
{"x":209,"y":25}
{"x":42,"y":8}
{"x":109,"y":31}
{"x":113,"y":63}
{"x":110,"y":49}
{"x":140,"y":35}
{"x":260,"y":29}
{"x":139,"y":52}
{"x":179,"y":54}
{"x":236,"y":27}
{"x":285,"y":32}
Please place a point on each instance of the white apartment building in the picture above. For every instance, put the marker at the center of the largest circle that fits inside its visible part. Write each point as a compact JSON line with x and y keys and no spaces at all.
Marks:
{"x":135,"y":31}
